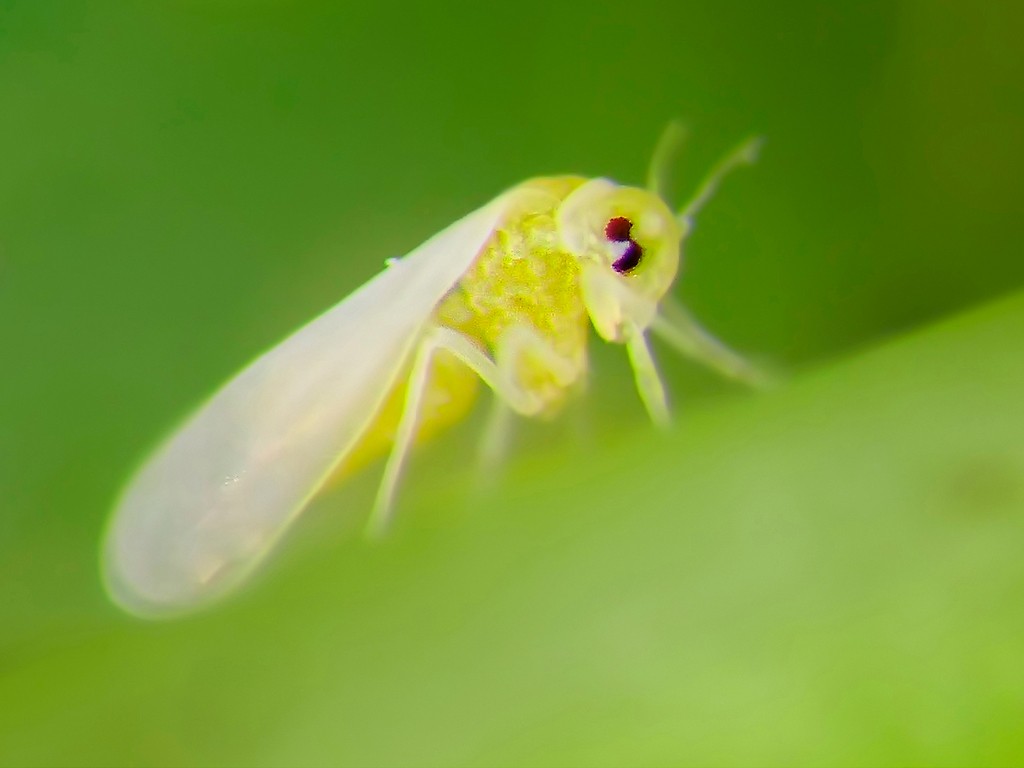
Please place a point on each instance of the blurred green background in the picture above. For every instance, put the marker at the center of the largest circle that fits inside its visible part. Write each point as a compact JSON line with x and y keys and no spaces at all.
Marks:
{"x":830,"y":573}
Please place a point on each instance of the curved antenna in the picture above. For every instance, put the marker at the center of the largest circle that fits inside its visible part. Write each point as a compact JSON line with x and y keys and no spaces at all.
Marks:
{"x":745,"y":154}
{"x":659,"y":172}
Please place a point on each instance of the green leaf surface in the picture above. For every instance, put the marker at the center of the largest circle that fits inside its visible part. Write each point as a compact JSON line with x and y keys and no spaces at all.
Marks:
{"x":829,"y":573}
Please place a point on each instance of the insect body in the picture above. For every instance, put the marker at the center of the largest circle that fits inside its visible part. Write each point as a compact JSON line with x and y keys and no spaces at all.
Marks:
{"x":505,"y":295}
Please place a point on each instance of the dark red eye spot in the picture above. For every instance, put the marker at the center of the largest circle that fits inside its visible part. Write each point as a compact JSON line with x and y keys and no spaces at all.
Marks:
{"x":630,"y":259}
{"x":617,"y":230}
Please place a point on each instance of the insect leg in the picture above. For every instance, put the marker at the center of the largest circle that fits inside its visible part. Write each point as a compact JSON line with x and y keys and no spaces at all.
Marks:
{"x":498,"y":378}
{"x":496,"y":434}
{"x":418,"y":377}
{"x":517,"y":343}
{"x":744,"y":154}
{"x":648,"y":380}
{"x":495,"y":376}
{"x":521,"y":341}
{"x":677,"y":326}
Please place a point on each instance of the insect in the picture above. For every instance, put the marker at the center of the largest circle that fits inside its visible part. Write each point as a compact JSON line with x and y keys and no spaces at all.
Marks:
{"x":505,"y":295}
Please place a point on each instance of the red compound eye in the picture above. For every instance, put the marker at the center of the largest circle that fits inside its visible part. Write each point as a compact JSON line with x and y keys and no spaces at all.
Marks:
{"x":617,"y":230}
{"x":630,"y":259}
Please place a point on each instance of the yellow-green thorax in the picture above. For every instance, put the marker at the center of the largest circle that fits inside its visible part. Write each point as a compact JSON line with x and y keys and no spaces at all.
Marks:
{"x":525,"y":277}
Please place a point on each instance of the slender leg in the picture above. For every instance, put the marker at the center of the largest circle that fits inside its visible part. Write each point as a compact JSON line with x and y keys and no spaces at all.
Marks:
{"x":648,"y":381}
{"x":520,"y":342}
{"x":496,"y":434}
{"x":744,"y":154}
{"x":499,"y":378}
{"x":418,"y":377}
{"x":501,"y":375}
{"x":676,"y":325}
{"x":523,"y":341}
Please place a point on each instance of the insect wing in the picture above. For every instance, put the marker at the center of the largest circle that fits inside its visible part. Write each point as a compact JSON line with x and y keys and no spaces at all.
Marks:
{"x":211,"y":501}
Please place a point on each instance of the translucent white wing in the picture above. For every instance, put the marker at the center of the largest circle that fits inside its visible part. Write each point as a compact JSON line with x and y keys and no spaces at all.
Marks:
{"x":212,"y":500}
